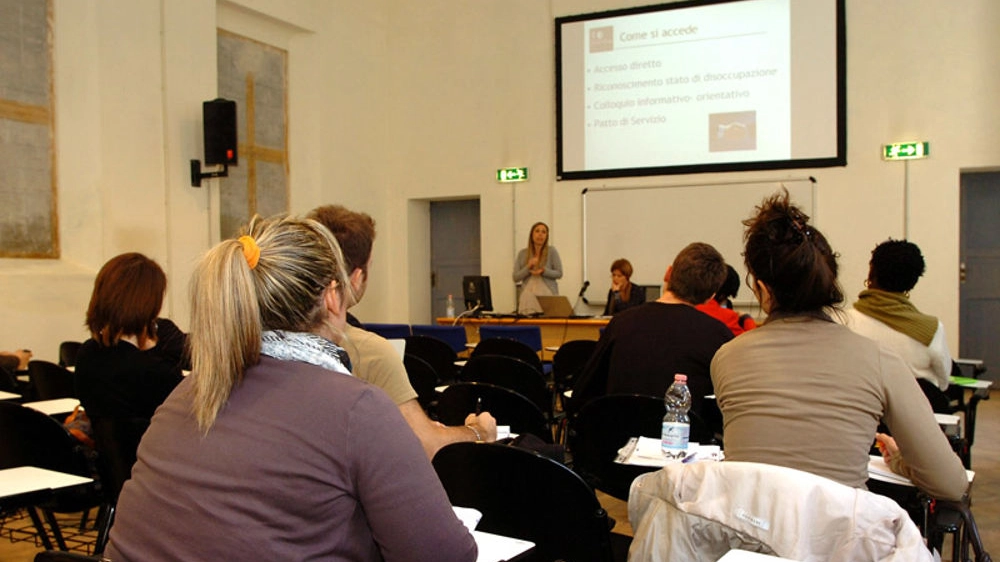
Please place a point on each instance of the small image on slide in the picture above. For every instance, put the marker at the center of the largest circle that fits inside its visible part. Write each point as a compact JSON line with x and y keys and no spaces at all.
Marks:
{"x":732,"y":131}
{"x":602,"y":39}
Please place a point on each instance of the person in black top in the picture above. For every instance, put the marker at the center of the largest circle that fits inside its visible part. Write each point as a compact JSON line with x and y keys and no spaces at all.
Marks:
{"x":643,"y":347}
{"x":623,"y":293}
{"x":133,"y":359}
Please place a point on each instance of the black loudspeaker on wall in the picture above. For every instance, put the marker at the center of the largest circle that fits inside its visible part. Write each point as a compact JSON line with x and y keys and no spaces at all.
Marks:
{"x":219,"y":119}
{"x":219,"y":124}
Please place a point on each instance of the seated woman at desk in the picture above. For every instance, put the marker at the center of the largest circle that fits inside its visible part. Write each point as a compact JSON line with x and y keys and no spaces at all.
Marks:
{"x":623,"y":293}
{"x":805,"y":392}
{"x":885,"y":314}
{"x":133,"y":359}
{"x":270,"y":449}
{"x":537,"y":268}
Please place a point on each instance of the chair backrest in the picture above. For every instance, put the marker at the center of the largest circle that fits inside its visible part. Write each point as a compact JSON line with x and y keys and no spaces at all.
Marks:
{"x":525,"y":495}
{"x":60,"y":556}
{"x":8,"y":382}
{"x":569,"y":361}
{"x":437,"y":353}
{"x":116,"y":440}
{"x":528,"y":335}
{"x":389,"y":331}
{"x":50,"y":381}
{"x":31,"y":438}
{"x":510,"y":373}
{"x":509,"y":348}
{"x":454,"y":336}
{"x":700,"y":511}
{"x":507,"y":406}
{"x":423,"y":379}
{"x":67,"y":353}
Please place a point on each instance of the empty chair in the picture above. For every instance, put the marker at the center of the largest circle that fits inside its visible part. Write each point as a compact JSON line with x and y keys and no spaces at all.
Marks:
{"x":31,"y":438}
{"x":389,"y":331}
{"x":568,"y":362}
{"x":60,"y":556}
{"x":116,"y":441}
{"x":528,"y":335}
{"x":435,"y":352}
{"x":454,"y":336}
{"x":506,"y":406}
{"x":423,"y":379}
{"x":50,"y":381}
{"x":604,"y":425}
{"x":525,"y":495}
{"x":67,"y":353}
{"x":511,"y":373}
{"x":8,"y":382}
{"x":511,"y":348}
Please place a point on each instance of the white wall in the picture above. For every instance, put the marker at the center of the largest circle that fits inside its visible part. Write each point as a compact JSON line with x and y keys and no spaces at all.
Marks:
{"x":394,"y":103}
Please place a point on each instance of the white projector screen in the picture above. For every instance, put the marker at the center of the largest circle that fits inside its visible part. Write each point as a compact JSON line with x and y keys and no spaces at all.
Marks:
{"x":724,"y":85}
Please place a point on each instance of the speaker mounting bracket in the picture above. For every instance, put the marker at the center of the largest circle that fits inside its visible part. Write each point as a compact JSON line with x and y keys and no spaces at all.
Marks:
{"x":197,"y":175}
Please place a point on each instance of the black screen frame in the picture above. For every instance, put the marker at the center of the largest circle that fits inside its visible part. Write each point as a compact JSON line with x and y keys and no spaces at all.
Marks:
{"x":827,"y":162}
{"x":476,"y":291}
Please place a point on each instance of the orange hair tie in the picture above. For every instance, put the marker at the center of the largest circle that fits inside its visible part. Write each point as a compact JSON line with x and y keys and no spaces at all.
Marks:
{"x":251,"y":251}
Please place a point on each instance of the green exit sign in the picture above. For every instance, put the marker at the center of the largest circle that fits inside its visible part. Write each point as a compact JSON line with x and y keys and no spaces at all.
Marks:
{"x":906,"y":150}
{"x":507,"y":175}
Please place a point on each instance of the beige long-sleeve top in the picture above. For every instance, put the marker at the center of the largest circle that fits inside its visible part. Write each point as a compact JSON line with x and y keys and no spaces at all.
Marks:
{"x":808,"y":393}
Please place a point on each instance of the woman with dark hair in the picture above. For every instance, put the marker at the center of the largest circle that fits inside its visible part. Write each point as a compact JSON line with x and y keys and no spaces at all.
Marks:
{"x":133,"y":359}
{"x":720,"y":306}
{"x":623,"y":293}
{"x":885,"y":314}
{"x":805,"y":392}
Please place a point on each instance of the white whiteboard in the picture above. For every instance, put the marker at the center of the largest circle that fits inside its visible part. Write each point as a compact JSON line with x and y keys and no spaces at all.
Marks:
{"x":649,"y":225}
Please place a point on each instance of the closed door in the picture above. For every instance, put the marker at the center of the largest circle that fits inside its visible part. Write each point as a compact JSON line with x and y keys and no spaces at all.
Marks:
{"x":980,"y":269}
{"x":455,"y":251}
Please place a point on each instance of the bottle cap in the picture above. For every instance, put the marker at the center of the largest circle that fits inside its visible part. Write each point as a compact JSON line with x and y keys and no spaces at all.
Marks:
{"x":681,"y":378}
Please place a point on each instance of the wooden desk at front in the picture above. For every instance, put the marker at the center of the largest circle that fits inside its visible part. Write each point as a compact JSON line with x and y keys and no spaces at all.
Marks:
{"x":555,"y":331}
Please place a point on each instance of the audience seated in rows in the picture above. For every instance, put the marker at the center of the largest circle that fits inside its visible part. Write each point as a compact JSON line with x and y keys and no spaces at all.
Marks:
{"x":805,"y":392}
{"x":270,"y":450}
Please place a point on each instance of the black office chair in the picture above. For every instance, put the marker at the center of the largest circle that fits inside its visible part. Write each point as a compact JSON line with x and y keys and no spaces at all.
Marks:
{"x":505,"y":405}
{"x":8,"y":381}
{"x":568,"y":362}
{"x":59,"y":556}
{"x":116,"y":441}
{"x":31,"y":438}
{"x":454,"y":336}
{"x":511,"y":373}
{"x":508,"y":348}
{"x":525,"y":495}
{"x":604,"y":425}
{"x":50,"y":381}
{"x":423,"y":379}
{"x":435,"y":352}
{"x":67,"y":353}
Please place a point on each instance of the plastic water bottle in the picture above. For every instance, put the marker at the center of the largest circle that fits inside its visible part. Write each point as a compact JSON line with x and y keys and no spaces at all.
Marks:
{"x":676,"y":425}
{"x":449,"y":311}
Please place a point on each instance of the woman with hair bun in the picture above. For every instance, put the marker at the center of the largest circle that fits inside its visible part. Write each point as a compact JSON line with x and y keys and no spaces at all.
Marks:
{"x":270,"y":449}
{"x":804,"y":392}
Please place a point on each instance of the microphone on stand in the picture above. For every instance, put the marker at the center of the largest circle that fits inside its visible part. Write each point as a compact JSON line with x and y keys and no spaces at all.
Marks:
{"x":582,"y":291}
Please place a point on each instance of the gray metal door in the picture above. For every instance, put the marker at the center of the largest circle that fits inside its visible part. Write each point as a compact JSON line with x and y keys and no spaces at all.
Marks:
{"x":454,"y":251}
{"x":980,"y":269}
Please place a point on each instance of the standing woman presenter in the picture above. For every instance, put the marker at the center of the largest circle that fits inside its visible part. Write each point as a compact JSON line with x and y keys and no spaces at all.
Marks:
{"x":537,"y":267}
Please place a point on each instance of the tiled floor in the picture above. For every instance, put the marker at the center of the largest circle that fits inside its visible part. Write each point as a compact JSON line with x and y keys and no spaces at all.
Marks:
{"x":986,"y":491}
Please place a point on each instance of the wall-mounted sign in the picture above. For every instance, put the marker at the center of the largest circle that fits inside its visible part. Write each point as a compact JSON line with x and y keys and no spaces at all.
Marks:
{"x":906,"y":150}
{"x":507,"y":175}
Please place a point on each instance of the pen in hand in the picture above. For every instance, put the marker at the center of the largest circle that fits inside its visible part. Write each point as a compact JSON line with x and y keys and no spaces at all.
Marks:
{"x":479,"y":406}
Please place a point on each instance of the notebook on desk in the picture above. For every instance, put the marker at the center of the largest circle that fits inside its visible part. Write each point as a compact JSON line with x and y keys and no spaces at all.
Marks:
{"x":555,"y":306}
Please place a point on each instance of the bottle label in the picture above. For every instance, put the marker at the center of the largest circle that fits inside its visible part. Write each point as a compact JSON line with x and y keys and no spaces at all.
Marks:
{"x":675,"y":436}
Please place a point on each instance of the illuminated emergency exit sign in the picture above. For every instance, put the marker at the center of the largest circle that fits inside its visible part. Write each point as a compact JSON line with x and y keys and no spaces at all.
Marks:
{"x":507,"y":175}
{"x":906,"y":150}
